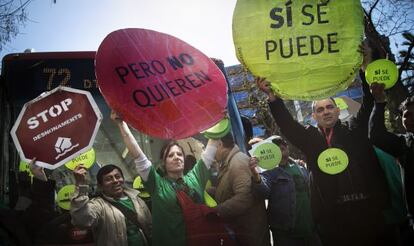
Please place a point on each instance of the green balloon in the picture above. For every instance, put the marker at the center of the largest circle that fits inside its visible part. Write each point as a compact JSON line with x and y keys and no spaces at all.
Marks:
{"x":268,"y":154}
{"x":382,"y":71}
{"x":333,"y":161}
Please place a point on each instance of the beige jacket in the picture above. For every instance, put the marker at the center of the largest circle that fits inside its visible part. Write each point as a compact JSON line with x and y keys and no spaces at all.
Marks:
{"x":107,"y":222}
{"x":236,"y":203}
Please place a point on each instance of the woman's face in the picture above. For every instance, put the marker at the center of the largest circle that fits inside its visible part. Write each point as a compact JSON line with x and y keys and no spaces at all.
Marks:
{"x":174,"y":161}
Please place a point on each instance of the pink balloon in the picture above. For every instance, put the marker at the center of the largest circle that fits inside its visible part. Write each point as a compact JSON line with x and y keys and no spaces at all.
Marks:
{"x":161,"y":85}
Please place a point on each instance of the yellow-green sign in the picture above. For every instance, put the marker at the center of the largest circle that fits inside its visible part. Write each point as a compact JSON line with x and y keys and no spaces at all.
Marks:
{"x":382,"y":71}
{"x":307,"y":49}
{"x":340,"y":103}
{"x":137,"y":184}
{"x":268,"y":154}
{"x":24,"y":167}
{"x":87,"y":159}
{"x":64,"y":195}
{"x":209,"y":201}
{"x":333,"y":161}
{"x":219,"y":130}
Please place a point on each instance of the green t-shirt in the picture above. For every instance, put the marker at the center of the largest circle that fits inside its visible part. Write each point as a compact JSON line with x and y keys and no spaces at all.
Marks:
{"x":167,"y":219}
{"x":133,"y":235}
{"x":303,"y":223}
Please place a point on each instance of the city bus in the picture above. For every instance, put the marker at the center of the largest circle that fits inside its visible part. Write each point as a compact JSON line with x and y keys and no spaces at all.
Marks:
{"x":24,"y":76}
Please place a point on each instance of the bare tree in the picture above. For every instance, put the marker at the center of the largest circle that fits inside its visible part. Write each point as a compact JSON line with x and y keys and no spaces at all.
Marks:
{"x":390,"y":17}
{"x":407,"y":62}
{"x":385,"y":21}
{"x":12,"y":15}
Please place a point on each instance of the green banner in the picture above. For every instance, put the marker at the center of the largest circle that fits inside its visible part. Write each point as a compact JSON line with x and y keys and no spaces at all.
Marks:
{"x":307,"y":49}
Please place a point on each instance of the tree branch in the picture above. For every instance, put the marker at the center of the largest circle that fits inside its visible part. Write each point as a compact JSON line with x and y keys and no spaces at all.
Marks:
{"x":405,"y":63}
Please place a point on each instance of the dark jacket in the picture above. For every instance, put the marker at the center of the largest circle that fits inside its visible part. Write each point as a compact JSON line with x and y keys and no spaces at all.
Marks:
{"x":278,"y":186}
{"x":361,"y":185}
{"x":401,"y":146}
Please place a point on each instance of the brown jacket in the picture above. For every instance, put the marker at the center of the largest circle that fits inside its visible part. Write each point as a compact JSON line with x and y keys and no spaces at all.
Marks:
{"x":107,"y":222}
{"x":236,"y":203}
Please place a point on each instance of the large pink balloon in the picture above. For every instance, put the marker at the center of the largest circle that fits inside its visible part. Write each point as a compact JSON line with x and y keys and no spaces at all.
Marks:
{"x":161,"y":85}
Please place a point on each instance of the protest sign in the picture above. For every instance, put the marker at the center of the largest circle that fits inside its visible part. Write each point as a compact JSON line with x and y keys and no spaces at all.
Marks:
{"x":64,"y":195}
{"x":87,"y":159}
{"x":137,"y":184}
{"x":160,"y":85}
{"x":307,"y":49}
{"x":219,"y":130}
{"x":267,"y":153}
{"x":56,"y":126}
{"x":382,"y":71}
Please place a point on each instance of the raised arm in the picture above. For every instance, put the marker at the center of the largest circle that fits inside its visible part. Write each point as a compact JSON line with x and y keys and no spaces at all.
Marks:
{"x":293,"y":130}
{"x":209,"y":153}
{"x":84,"y":212}
{"x":378,"y":133}
{"x":362,"y":118}
{"x":142,"y":164}
{"x":260,"y":185}
{"x":37,"y":171}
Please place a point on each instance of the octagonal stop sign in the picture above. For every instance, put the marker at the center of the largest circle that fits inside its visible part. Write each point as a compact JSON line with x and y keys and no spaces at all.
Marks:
{"x":56,"y":126}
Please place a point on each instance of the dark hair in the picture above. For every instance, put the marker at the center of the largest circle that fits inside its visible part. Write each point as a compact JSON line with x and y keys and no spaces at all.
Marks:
{"x":406,"y":103}
{"x":105,"y":170}
{"x":166,"y":148}
{"x":278,"y":140}
{"x":247,"y":127}
{"x":228,"y":141}
{"x":314,"y":103}
{"x":189,"y":162}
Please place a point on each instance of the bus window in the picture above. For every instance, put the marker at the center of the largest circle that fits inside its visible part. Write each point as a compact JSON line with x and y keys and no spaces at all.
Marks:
{"x":26,"y":75}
